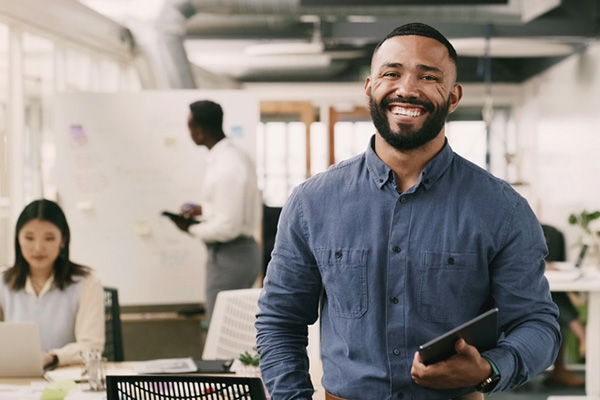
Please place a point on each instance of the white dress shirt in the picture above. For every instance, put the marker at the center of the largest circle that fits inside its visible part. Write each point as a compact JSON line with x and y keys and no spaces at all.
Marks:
{"x":229,"y":196}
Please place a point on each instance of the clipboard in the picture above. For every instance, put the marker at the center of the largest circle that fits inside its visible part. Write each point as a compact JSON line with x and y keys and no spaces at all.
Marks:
{"x":481,"y":332}
{"x":178,"y":218}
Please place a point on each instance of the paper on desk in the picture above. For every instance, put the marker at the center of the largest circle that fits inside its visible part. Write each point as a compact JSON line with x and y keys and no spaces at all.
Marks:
{"x":165,"y":366}
{"x":73,"y":373}
{"x":31,"y":392}
{"x":83,"y":395}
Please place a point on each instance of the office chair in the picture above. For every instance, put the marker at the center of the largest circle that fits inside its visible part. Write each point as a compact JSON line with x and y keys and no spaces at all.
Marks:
{"x":183,"y":387}
{"x":113,"y":345}
{"x":231,"y":331}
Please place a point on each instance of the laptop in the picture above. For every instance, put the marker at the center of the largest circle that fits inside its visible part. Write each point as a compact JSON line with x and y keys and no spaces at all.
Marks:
{"x":20,"y":350}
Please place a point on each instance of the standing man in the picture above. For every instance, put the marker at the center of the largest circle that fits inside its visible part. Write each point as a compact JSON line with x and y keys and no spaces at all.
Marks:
{"x":401,"y":244}
{"x":229,"y":207}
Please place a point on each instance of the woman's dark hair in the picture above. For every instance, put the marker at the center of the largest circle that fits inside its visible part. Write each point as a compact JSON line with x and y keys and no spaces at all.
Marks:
{"x":64,"y":270}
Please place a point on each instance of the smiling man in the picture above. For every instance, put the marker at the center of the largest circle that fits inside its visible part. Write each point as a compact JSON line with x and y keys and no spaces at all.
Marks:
{"x":400,"y":244}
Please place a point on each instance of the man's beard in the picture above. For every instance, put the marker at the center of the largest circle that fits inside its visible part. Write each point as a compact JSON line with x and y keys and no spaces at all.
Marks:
{"x":408,"y":138}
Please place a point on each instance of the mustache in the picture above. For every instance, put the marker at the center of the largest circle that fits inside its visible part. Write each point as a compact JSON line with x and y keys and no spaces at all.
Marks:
{"x":389,"y":100}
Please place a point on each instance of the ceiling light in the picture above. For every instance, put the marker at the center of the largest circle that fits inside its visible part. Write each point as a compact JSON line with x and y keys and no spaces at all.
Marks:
{"x":293,"y":48}
{"x":512,"y":47}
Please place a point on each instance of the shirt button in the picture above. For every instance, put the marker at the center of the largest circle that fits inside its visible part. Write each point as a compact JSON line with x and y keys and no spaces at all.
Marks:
{"x":400,"y":395}
{"x":394,"y":300}
{"x":338,"y":254}
{"x":396,"y":352}
{"x":451,"y":261}
{"x":426,"y":181}
{"x":396,"y":249}
{"x":403,"y":200}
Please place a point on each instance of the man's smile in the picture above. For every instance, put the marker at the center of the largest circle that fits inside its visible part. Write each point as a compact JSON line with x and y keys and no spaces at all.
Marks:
{"x":406,"y":111}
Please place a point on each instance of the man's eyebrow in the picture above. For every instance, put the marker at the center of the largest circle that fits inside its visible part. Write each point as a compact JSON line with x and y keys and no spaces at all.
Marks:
{"x":422,"y":67}
{"x":430,"y":68}
{"x":391,"y":65}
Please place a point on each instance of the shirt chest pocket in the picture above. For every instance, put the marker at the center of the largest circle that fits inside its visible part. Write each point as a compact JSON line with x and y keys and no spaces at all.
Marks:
{"x":445,"y":281}
{"x":344,"y":273}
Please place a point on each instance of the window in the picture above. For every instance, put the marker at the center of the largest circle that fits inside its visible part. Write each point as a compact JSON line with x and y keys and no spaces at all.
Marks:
{"x":351,"y":138}
{"x":5,"y":218}
{"x":281,"y":159}
{"x":468,"y":138}
{"x":40,"y":64}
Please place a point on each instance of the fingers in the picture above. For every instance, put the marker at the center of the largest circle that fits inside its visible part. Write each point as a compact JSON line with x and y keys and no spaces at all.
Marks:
{"x":454,"y":372}
{"x":417,"y":368}
{"x":463,"y":349}
{"x":460,"y":345}
{"x":187,"y":210}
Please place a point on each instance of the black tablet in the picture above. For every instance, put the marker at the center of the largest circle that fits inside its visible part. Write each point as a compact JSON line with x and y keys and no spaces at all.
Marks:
{"x":481,"y":332}
{"x":179,"y":218}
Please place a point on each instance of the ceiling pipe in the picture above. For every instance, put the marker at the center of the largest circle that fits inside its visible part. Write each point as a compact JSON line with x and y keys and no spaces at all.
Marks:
{"x":515,"y":11}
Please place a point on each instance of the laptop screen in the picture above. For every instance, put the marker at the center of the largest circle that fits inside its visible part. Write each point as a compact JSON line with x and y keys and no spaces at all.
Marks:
{"x":21,"y":350}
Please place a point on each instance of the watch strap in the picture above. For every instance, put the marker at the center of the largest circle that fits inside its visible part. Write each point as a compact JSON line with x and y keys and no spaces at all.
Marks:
{"x":489,"y":383}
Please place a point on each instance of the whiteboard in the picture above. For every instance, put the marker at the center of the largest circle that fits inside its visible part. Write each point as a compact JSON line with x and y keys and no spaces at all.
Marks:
{"x":121,"y":160}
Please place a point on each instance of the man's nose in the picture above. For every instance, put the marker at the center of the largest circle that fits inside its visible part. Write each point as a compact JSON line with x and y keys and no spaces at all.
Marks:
{"x":407,"y":87}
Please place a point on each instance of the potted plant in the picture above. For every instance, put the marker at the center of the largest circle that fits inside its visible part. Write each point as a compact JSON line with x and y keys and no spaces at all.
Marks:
{"x":246,"y":365}
{"x":587,"y":235}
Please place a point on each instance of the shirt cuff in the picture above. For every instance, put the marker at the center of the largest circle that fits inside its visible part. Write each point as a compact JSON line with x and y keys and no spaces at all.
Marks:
{"x":502,"y":361}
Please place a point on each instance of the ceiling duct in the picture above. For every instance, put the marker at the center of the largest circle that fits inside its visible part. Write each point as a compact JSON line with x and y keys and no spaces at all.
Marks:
{"x":278,"y":60}
{"x":514,"y":11}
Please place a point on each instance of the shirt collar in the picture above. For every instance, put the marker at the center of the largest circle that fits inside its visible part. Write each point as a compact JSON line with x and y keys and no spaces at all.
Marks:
{"x":378,"y":170}
{"x":213,"y":153}
{"x":434,"y":169}
{"x":29,"y":286}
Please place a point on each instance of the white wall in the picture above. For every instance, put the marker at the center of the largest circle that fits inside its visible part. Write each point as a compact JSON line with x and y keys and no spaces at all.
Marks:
{"x":558,"y":119}
{"x":121,"y":160}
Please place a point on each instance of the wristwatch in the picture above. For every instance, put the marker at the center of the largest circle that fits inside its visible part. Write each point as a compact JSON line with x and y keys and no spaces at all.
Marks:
{"x":489,"y":383}
{"x":54,"y":362}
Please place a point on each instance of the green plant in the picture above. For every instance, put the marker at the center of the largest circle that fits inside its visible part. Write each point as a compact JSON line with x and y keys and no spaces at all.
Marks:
{"x":583,"y":220}
{"x":249,"y":359}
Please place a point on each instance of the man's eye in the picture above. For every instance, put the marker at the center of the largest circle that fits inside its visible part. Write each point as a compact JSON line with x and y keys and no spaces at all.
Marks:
{"x":430,"y":78}
{"x":391,"y":74}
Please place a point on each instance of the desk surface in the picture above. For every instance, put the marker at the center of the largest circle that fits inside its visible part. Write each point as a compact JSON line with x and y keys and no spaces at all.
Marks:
{"x":588,"y":281}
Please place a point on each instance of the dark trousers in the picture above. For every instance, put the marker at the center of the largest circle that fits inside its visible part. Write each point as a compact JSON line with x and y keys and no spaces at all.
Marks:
{"x":231,"y":265}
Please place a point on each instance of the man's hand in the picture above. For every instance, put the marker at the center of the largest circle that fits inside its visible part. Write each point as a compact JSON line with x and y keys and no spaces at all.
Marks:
{"x":190,"y":210}
{"x":465,"y":369}
{"x":47,"y":359}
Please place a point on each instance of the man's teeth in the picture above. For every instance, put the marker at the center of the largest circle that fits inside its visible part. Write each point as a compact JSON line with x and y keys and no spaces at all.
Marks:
{"x":409,"y":112}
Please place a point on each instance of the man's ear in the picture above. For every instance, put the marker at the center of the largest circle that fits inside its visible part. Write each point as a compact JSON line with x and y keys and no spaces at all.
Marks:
{"x":456,"y":94}
{"x":368,"y":84}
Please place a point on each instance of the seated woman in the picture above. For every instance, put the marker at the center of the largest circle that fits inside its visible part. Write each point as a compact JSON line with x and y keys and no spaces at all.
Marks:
{"x":44,"y":286}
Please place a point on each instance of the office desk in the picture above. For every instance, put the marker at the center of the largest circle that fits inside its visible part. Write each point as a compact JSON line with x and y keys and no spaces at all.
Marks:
{"x":32,"y":388}
{"x":591,"y":285}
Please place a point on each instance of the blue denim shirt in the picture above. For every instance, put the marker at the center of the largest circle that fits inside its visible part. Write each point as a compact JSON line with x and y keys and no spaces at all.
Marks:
{"x":394,"y":270}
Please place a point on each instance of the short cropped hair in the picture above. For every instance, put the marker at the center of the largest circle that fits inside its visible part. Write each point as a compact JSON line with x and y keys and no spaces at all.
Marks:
{"x":208,"y":115}
{"x":420,"y":29}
